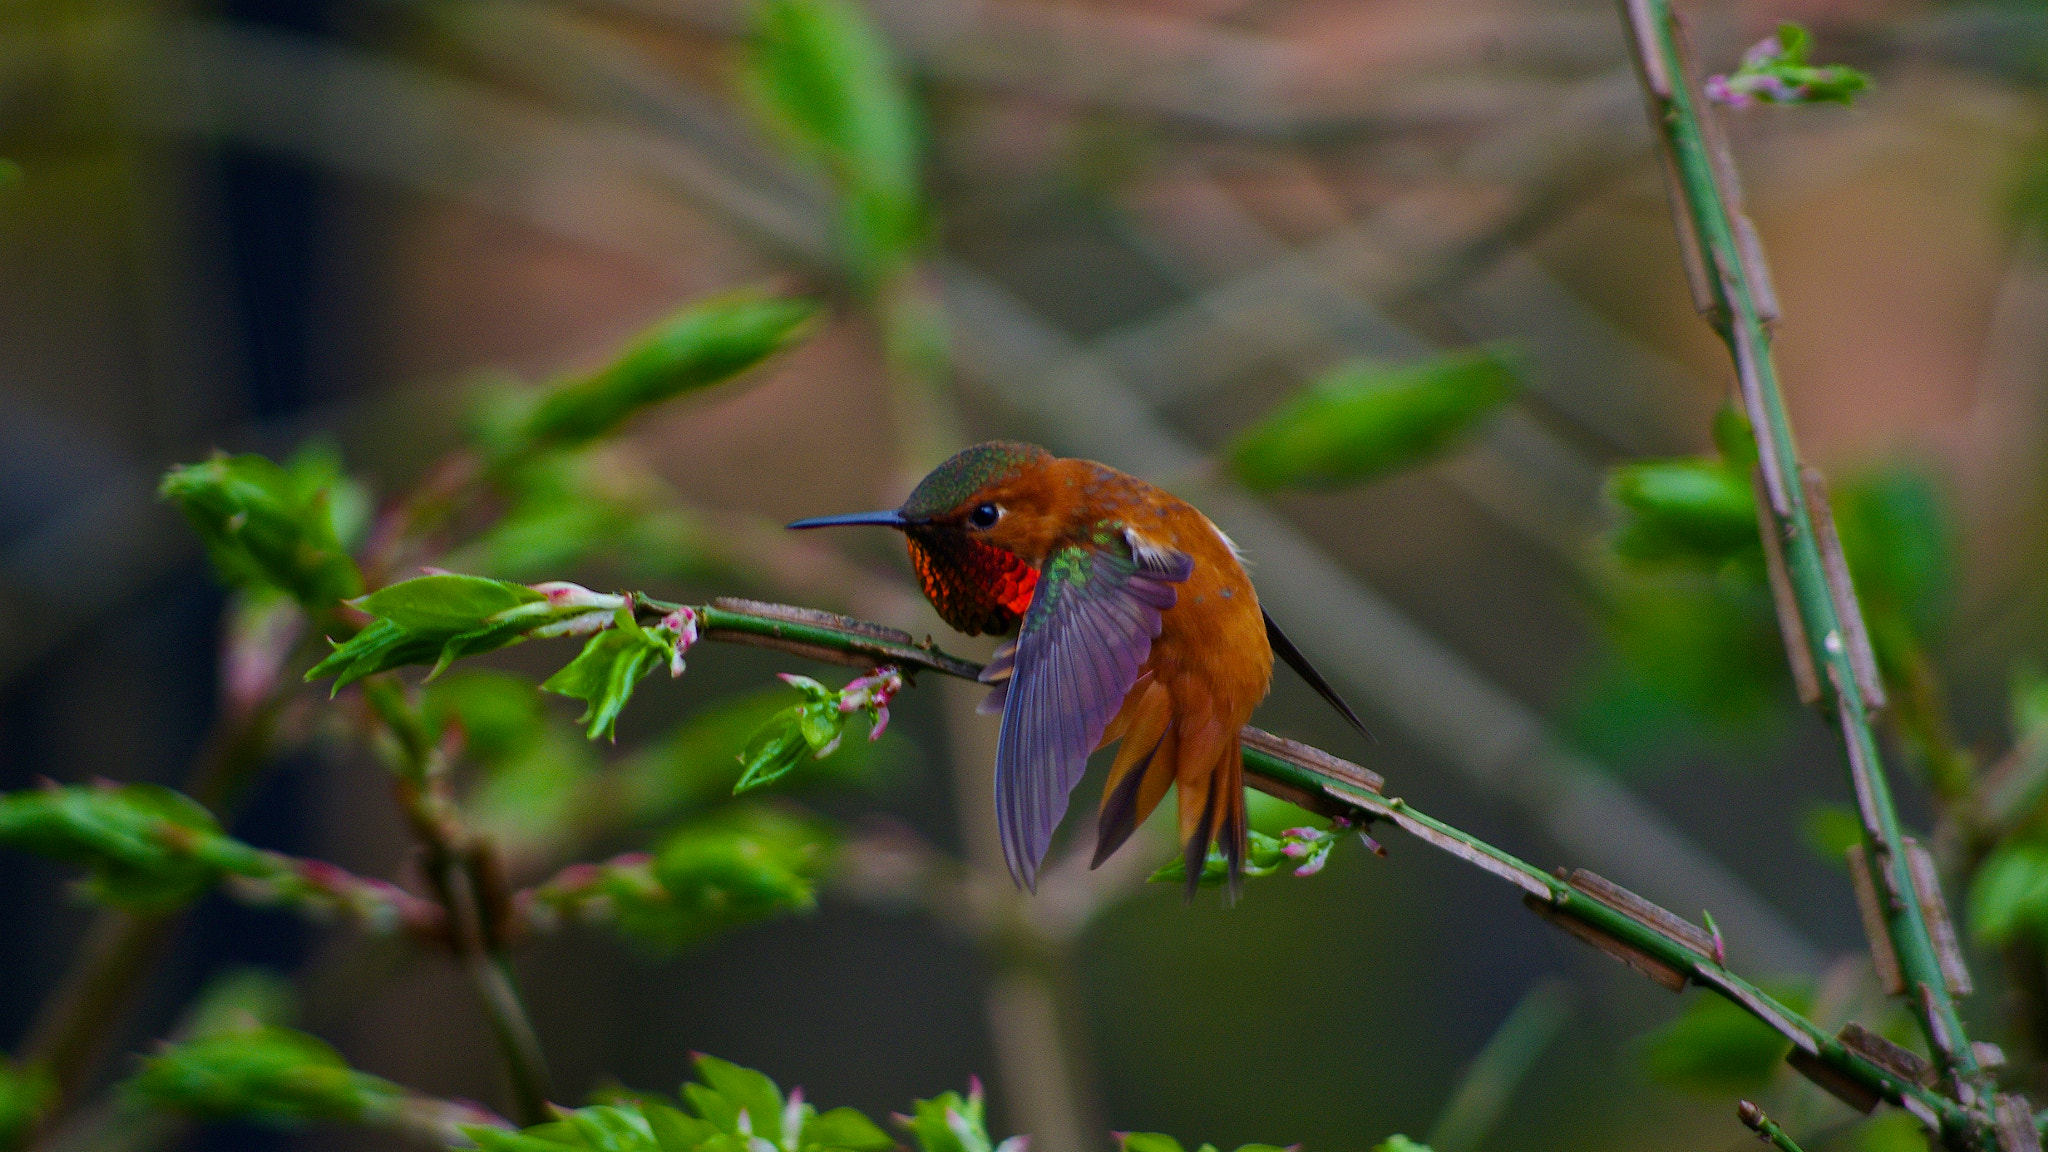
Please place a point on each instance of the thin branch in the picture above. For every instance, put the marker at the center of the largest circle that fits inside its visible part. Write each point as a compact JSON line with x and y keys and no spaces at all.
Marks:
{"x":1766,"y":1129}
{"x":72,"y":1032}
{"x":1657,"y":943}
{"x":1726,"y":261}
{"x":464,"y":875}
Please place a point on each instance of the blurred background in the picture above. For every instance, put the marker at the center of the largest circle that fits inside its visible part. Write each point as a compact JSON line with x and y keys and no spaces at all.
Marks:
{"x":265,"y":224}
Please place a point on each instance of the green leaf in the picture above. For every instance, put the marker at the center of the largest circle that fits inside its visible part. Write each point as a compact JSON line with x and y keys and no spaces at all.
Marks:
{"x":739,"y":1090}
{"x":820,"y":71}
{"x":777,"y":748}
{"x":1891,"y":1132}
{"x":2009,"y":895}
{"x":693,"y":763}
{"x":741,"y":865}
{"x":1149,"y":1142}
{"x":440,"y":618}
{"x":1775,"y":71}
{"x":947,"y":1123}
{"x":845,"y":1128}
{"x":1830,"y":830}
{"x":1694,"y":659}
{"x":1897,"y":536}
{"x":446,"y":602}
{"x":11,"y":173}
{"x":2028,"y":701}
{"x":604,"y":674}
{"x":265,"y":1075}
{"x":263,"y":525}
{"x":148,"y":848}
{"x":1691,"y":511}
{"x":1365,"y":420}
{"x":706,"y":344}
{"x":627,"y":1123}
{"x":1716,"y":1048}
{"x":26,"y":1092}
{"x":1399,"y":1143}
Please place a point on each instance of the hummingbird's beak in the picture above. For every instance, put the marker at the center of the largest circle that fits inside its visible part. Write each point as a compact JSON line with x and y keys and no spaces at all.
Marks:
{"x":889,"y":518}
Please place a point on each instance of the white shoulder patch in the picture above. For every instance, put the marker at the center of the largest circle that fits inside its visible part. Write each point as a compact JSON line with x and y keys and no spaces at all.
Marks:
{"x":1151,"y":554}
{"x":1227,"y":541}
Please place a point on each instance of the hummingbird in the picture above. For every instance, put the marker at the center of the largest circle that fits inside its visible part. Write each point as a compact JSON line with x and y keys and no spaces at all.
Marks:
{"x":1134,"y":621}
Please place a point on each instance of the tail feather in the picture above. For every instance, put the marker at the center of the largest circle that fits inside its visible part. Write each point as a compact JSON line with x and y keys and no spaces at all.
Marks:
{"x":1143,"y":769}
{"x":1201,"y":799}
{"x":1195,"y":852}
{"x":1230,"y":830}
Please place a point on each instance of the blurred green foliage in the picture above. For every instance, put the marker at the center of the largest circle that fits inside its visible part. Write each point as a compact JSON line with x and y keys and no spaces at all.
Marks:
{"x":1691,"y":512}
{"x":1891,"y":1131}
{"x":265,"y":1075}
{"x":2009,"y":894}
{"x":281,"y":527}
{"x":1160,"y":1142}
{"x":1829,"y":830}
{"x":26,"y":1092}
{"x":707,"y":343}
{"x":741,"y":864}
{"x":1716,"y":1048}
{"x":569,"y":508}
{"x":1365,"y":420}
{"x":822,"y":75}
{"x":149,"y":849}
{"x":1693,"y":652}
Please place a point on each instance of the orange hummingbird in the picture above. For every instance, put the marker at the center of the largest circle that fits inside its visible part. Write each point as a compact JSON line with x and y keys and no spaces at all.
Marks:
{"x":1138,"y":624}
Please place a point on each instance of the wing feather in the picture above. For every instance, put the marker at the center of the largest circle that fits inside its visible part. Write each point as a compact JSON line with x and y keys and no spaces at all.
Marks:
{"x":1085,"y":639}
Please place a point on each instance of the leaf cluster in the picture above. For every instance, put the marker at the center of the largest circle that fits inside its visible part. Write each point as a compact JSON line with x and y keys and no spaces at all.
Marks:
{"x":1776,"y":71}
{"x":271,"y":526}
{"x":1303,"y":851}
{"x":810,"y":730}
{"x":727,"y":1109}
{"x":1365,"y":420}
{"x":1715,"y":1048}
{"x":265,"y":1075}
{"x":148,"y":848}
{"x":739,"y":865}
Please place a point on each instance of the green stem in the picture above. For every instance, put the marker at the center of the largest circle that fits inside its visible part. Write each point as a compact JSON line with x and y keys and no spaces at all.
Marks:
{"x":1766,"y":1129}
{"x":1651,"y":940}
{"x":461,"y":871}
{"x":1729,"y":284}
{"x":1483,"y":1093}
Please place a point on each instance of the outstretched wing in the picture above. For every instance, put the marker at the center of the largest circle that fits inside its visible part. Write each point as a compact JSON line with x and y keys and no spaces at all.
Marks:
{"x":1089,"y":629}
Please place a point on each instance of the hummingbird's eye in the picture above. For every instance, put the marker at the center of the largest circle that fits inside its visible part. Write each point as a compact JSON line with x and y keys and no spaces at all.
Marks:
{"x":984,"y":515}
